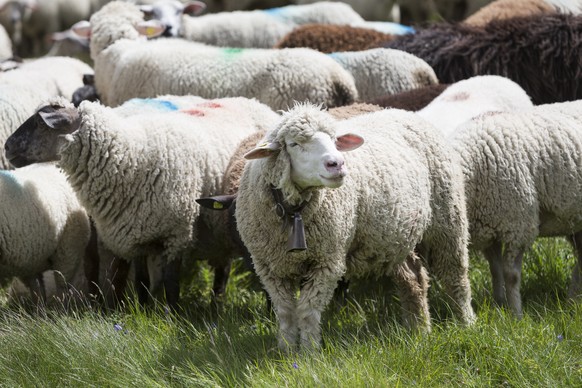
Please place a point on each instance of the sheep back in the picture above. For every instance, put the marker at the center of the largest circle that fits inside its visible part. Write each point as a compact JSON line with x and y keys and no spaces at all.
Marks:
{"x":329,"y":38}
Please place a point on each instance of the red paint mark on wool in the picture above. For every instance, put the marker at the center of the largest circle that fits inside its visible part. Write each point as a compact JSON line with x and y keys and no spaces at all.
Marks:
{"x":211,"y":104}
{"x":193,"y":112}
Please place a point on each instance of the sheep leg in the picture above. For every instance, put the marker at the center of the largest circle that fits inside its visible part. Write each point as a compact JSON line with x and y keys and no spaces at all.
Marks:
{"x":493,"y":254}
{"x":37,"y":289}
{"x":92,"y":263}
{"x":450,"y":264}
{"x":115,"y":278}
{"x":282,"y":294}
{"x":512,"y":277}
{"x":316,"y":293}
{"x":221,"y":274}
{"x":142,"y":281}
{"x":575,"y":288}
{"x":412,"y":283}
{"x":171,"y":280}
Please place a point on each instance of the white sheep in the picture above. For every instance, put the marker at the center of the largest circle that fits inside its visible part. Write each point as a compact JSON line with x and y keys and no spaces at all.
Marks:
{"x":523,"y":173}
{"x":139,"y":168}
{"x":380,"y":71}
{"x":22,"y":90}
{"x":42,"y":227}
{"x":404,"y":190}
{"x":256,"y":28}
{"x":126,"y":67}
{"x":466,"y":99}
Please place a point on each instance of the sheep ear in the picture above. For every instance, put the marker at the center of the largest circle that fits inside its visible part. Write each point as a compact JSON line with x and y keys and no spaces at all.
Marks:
{"x":82,"y":29}
{"x":263,"y":150}
{"x":348,"y":142}
{"x":218,"y":202}
{"x":194,"y":8}
{"x":148,"y":10}
{"x":58,"y":119}
{"x":151,"y":28}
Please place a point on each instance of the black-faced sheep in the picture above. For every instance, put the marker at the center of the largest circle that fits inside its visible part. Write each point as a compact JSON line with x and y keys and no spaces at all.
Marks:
{"x":139,"y":168}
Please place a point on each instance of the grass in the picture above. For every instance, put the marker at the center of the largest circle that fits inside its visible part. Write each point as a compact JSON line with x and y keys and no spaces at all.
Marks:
{"x":364,"y":343}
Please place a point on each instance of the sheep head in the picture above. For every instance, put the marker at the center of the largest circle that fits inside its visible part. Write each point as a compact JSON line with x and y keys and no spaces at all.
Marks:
{"x":40,"y":137}
{"x":306,"y":150}
{"x":169,"y":13}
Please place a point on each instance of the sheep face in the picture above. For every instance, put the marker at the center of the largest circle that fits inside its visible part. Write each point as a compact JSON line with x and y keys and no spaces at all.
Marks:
{"x":314,"y":156}
{"x":39,"y":138}
{"x":169,"y":13}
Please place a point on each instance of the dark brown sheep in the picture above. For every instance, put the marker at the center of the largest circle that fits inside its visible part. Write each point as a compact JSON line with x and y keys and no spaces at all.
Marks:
{"x":329,"y":38}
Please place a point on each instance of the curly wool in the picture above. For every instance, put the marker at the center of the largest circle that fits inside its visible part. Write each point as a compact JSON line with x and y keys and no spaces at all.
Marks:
{"x":540,"y":53}
{"x":329,"y":38}
{"x":522,"y":170}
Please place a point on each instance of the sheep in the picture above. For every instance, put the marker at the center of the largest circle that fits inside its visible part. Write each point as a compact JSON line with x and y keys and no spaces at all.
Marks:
{"x":368,"y":221}
{"x":540,"y":53}
{"x":127,"y":68}
{"x":138,"y":168}
{"x":42,"y":226}
{"x":378,"y":72}
{"x":412,"y":100}
{"x":505,"y":9}
{"x":522,"y":173}
{"x":24,"y":88}
{"x":222,"y":229}
{"x":469,"y":98}
{"x":257,"y":28}
{"x":329,"y":38}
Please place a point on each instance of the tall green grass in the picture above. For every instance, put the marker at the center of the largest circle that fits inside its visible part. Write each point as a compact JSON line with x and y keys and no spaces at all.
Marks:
{"x":365,"y":346}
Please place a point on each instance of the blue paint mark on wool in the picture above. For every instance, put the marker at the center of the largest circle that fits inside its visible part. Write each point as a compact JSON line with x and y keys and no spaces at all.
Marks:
{"x":9,"y":179}
{"x":276,"y":12}
{"x":163,"y":105}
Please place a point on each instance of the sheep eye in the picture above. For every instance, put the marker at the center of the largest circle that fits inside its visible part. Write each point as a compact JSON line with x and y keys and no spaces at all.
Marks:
{"x":293,"y":144}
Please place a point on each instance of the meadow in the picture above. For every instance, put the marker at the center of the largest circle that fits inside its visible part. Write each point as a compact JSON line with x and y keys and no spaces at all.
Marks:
{"x":234,"y":345}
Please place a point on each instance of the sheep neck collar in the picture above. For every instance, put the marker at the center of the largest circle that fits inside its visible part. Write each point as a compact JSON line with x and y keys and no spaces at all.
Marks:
{"x":292,"y":221}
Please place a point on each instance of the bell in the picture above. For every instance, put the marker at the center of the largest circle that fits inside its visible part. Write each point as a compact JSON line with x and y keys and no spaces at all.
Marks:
{"x":296,"y":240}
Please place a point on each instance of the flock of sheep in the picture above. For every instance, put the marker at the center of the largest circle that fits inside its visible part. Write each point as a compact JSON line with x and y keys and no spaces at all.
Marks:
{"x":318,"y":146}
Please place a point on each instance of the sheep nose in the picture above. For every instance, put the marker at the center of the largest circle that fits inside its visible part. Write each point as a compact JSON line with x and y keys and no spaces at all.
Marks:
{"x":168,"y":32}
{"x":333,"y":165}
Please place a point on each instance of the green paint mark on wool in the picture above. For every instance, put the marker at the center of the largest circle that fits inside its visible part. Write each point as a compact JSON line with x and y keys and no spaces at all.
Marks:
{"x":231,"y":52}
